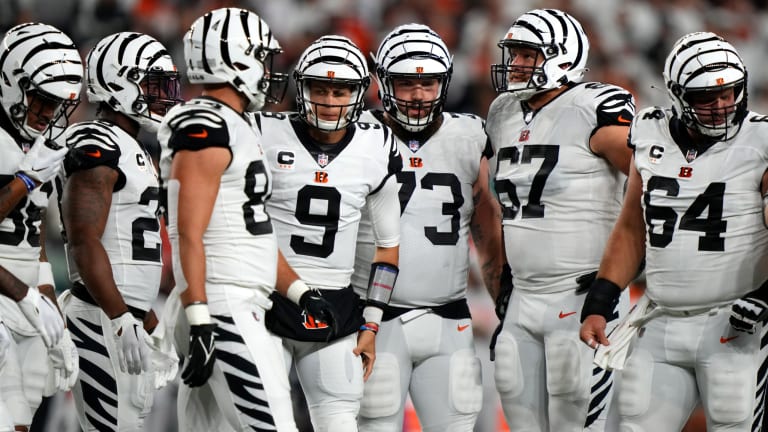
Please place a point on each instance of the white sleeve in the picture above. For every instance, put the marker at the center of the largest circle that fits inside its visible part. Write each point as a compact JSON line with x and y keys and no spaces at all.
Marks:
{"x":384,"y":208}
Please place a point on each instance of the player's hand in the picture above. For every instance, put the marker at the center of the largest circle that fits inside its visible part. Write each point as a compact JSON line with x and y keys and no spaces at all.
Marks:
{"x":64,"y":362}
{"x":366,"y":347}
{"x":592,"y":331}
{"x":585,"y":282}
{"x":132,"y":350}
{"x":505,"y":292}
{"x":321,"y":309}
{"x":747,"y":312}
{"x":43,"y":315}
{"x":43,"y":160}
{"x":202,"y":355}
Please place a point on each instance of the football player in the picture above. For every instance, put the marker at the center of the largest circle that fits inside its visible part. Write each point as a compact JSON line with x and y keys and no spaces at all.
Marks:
{"x":326,"y":167}
{"x":43,"y":74}
{"x":109,"y":209}
{"x":695,"y":201}
{"x":425,"y":345}
{"x":224,"y":248}
{"x":560,"y":164}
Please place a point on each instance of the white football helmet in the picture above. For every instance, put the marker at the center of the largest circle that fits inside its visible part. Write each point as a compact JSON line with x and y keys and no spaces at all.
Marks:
{"x":235,"y":46}
{"x":117,"y":67}
{"x":41,"y":74}
{"x":704,"y":62}
{"x":333,"y":59}
{"x":561,"y":41}
{"x":413,"y":51}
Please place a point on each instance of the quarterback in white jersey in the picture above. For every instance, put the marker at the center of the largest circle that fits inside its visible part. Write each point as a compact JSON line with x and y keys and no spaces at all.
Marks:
{"x":109,"y":209}
{"x":43,"y":73}
{"x":559,"y":171}
{"x":224,"y":249}
{"x":425,"y":346}
{"x":694,"y":209}
{"x":326,"y":167}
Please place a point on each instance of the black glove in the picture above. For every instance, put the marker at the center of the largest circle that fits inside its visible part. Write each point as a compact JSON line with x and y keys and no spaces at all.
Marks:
{"x":202,"y":355}
{"x":321,"y":309}
{"x":585,"y":281}
{"x":747,"y":312}
{"x":505,"y":291}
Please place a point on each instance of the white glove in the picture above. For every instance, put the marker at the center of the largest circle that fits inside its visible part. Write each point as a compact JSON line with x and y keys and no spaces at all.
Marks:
{"x":64,"y":363}
{"x":43,"y":161}
{"x":131,"y":339}
{"x":5,"y":344}
{"x":43,"y":315}
{"x":164,"y":360}
{"x":614,"y":356}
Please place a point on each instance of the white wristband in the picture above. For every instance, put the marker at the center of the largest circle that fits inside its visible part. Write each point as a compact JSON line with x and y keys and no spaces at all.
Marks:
{"x":198,"y":314}
{"x":373,"y":314}
{"x":296,"y":290}
{"x":45,"y":274}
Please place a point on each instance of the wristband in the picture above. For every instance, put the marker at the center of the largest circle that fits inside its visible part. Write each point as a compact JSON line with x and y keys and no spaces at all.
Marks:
{"x":198,"y":313}
{"x":45,"y":274}
{"x":602,"y":298}
{"x":28,"y":182}
{"x":296,"y":289}
{"x":370,"y":327}
{"x":373,"y":314}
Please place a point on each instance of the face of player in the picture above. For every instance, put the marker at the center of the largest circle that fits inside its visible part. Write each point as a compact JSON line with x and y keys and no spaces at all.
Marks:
{"x":522,"y":60}
{"x":712,"y":107}
{"x":161,"y":92}
{"x":42,"y":110}
{"x":330,"y":101}
{"x":416,"y":96}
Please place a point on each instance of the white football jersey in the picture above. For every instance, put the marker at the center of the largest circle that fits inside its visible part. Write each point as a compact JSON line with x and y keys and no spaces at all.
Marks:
{"x":131,"y":235}
{"x":20,"y":230}
{"x":559,"y":199}
{"x":706,"y":241}
{"x":319,"y":191}
{"x":240,"y":245}
{"x":436,"y":207}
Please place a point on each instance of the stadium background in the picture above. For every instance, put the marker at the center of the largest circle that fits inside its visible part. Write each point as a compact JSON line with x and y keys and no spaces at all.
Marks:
{"x":629,"y":41}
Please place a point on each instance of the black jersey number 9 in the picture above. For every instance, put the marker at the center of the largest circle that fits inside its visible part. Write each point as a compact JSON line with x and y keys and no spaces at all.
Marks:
{"x":712,"y":226}
{"x":408,"y":181}
{"x":329,"y":221}
{"x":144,"y":224}
{"x":508,"y":191}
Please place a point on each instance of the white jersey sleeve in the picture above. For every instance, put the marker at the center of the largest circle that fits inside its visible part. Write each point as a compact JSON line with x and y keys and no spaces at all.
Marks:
{"x":436,"y":207}
{"x":559,"y":199}
{"x":706,"y":242}
{"x":319,"y":191}
{"x":239,"y":242}
{"x":131,"y":235}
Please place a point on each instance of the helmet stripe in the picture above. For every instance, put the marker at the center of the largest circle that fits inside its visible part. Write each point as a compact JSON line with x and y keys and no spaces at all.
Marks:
{"x":224,"y":40}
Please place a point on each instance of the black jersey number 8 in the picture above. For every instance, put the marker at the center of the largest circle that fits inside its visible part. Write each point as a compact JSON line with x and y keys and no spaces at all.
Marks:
{"x":256,"y":198}
{"x":329,"y":221}
{"x":511,"y":203}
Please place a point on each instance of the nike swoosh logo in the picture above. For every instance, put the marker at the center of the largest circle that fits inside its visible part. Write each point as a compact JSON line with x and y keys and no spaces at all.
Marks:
{"x":201,"y":135}
{"x":623,"y":120}
{"x":96,"y":154}
{"x":461,"y":328}
{"x":727,"y":339}
{"x":565,"y":315}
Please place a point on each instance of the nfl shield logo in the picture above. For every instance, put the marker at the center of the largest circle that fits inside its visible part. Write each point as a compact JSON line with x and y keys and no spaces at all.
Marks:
{"x":414,"y":145}
{"x":691,"y":155}
{"x":322,"y":159}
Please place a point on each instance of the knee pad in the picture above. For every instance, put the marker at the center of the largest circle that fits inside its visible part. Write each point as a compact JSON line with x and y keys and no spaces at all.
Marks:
{"x":508,"y":372}
{"x":465,"y":382}
{"x":382,"y":392}
{"x":635,"y":386}
{"x":730,"y":389}
{"x":568,"y":369}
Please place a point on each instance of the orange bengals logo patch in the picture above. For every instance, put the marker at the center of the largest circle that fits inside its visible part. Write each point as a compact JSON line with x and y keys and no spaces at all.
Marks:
{"x":331,"y":74}
{"x":310,"y":323}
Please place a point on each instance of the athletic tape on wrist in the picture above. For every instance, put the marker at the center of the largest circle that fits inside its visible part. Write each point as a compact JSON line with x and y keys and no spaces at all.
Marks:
{"x":296,"y":289}
{"x":198,"y":313}
{"x":373,"y":314}
{"x":45,"y":274}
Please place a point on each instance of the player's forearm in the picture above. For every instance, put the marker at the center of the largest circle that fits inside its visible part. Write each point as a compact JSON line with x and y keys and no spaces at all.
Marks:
{"x":11,"y":286}
{"x":10,"y":196}
{"x":192,"y":259}
{"x":96,"y":272}
{"x":285,"y":275}
{"x":486,"y":234}
{"x":389,"y":255}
